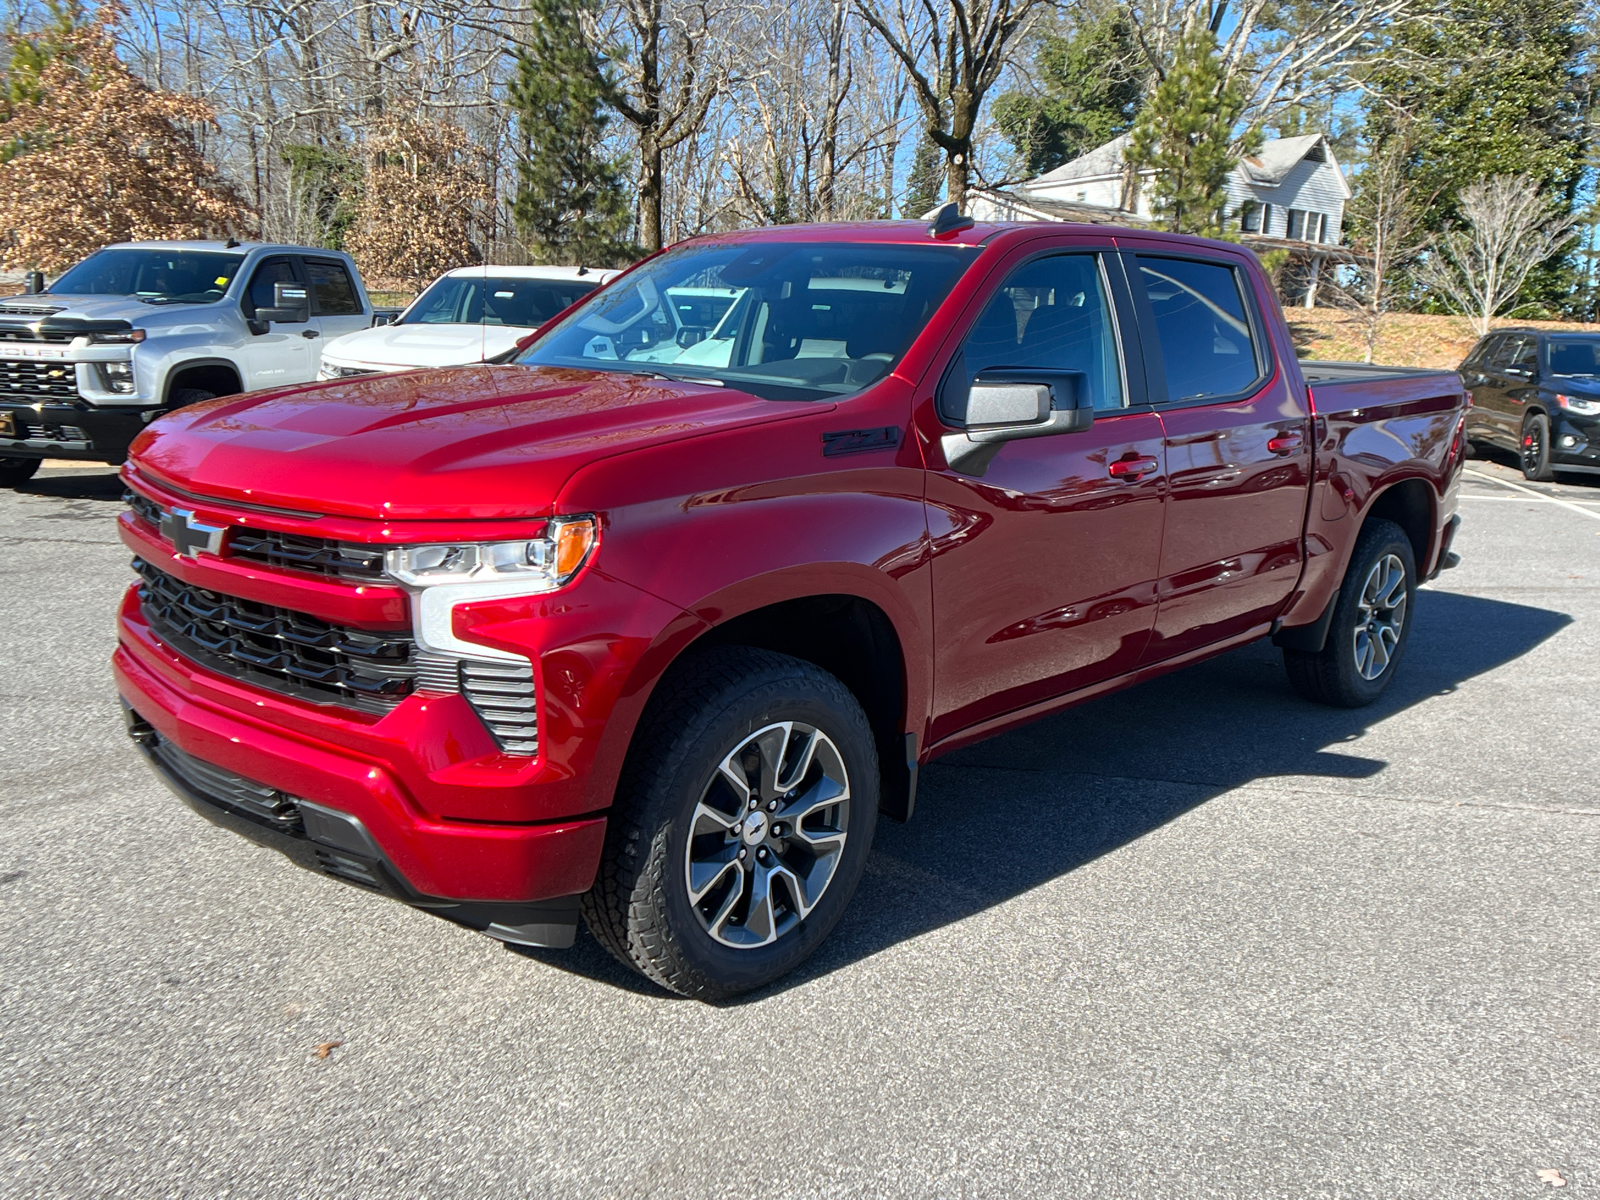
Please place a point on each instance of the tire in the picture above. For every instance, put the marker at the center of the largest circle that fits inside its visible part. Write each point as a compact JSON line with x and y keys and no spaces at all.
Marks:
{"x":14,"y":472}
{"x":678,"y":813}
{"x":183,"y":397}
{"x":1365,"y":641}
{"x":1534,"y":451}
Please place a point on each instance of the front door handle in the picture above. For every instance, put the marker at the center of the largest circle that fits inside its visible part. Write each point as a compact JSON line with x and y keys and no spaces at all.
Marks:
{"x":1286,"y":443}
{"x":308,"y":333}
{"x":1132,"y":468}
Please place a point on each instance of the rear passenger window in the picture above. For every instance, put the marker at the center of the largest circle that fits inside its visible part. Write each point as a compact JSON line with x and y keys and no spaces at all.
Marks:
{"x":1206,"y":341}
{"x":336,"y":295}
{"x":1052,"y":314}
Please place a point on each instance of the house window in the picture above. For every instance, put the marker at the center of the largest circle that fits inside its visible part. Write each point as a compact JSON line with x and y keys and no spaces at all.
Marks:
{"x":1297,"y":224}
{"x":1256,"y":218}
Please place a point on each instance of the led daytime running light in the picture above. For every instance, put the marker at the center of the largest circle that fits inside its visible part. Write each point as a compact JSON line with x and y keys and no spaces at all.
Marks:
{"x":539,"y":564}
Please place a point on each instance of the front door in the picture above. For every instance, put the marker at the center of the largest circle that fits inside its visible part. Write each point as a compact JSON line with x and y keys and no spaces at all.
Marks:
{"x":1238,"y":442}
{"x":282,"y":353}
{"x":1044,"y":566}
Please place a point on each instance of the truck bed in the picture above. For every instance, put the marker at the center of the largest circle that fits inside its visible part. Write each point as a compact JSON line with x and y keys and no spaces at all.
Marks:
{"x":1344,"y":386}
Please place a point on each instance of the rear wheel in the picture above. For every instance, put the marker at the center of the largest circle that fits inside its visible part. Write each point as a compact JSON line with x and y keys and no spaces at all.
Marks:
{"x":741,"y":827}
{"x":1536,"y":449}
{"x":1371,"y":624}
{"x":14,"y":472}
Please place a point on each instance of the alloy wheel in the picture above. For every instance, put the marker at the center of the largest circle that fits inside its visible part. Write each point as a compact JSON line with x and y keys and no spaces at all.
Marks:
{"x":1532,"y":448}
{"x":1380,"y":616}
{"x":767,"y":834}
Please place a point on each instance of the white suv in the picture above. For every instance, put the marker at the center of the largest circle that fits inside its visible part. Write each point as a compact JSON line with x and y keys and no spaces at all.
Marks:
{"x":466,"y":316}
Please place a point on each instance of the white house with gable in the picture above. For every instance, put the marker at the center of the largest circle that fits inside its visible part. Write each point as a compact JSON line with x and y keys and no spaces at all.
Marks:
{"x":1290,"y":195}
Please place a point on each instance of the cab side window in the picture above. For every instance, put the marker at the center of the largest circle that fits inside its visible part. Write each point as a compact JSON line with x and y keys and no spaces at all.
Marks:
{"x":1499,"y":355}
{"x":260,"y":292}
{"x":1207,"y":344}
{"x":1052,"y":314}
{"x":335,"y":293}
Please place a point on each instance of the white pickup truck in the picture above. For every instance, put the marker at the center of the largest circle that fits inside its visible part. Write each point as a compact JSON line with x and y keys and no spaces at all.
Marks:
{"x":140,"y":328}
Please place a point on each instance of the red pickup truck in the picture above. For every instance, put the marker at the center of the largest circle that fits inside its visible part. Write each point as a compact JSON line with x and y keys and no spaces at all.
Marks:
{"x":652,"y":620}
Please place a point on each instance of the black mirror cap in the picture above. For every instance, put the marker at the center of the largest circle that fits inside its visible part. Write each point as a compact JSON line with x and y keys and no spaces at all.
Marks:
{"x":1071,"y":410}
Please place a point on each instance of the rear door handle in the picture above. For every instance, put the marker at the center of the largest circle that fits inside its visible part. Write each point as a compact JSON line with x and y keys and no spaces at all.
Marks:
{"x":309,"y":333}
{"x":1286,"y":443}
{"x":1132,"y":468}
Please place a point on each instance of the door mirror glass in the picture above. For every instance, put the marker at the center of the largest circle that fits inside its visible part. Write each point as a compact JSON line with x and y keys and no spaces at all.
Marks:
{"x":991,"y":404}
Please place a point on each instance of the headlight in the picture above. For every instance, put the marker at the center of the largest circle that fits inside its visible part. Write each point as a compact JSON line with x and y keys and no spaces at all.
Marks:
{"x":539,"y":564}
{"x":118,"y":337}
{"x":118,"y":376}
{"x":1578,"y":404}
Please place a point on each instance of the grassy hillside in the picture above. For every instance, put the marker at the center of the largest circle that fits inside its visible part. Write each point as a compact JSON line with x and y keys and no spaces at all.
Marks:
{"x":1409,"y":339}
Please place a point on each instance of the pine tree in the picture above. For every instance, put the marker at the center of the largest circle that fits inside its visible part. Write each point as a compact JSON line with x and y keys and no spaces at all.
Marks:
{"x":1185,"y":135}
{"x":571,"y":204}
{"x":926,"y":181}
{"x":1090,"y":93}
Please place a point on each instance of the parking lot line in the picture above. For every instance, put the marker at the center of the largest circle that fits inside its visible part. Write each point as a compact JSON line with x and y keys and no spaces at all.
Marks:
{"x":1540,"y":496}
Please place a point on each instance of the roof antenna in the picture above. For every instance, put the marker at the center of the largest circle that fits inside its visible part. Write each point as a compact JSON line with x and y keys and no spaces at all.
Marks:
{"x":948,"y":221}
{"x":582,"y":271}
{"x":230,"y":243}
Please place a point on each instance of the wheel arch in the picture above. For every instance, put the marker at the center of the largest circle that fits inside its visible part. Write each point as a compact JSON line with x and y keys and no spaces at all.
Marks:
{"x":853,"y":638}
{"x":219,"y":376}
{"x":1410,"y":504}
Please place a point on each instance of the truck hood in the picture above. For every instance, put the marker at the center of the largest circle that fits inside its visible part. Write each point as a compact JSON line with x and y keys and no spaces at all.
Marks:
{"x":422,"y":345}
{"x":475,"y":443}
{"x":90,"y":308}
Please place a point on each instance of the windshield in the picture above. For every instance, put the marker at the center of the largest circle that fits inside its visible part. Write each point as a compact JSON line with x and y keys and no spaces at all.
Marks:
{"x":476,"y":300}
{"x":783,"y":320}
{"x":155,"y":276}
{"x":1574,"y":357}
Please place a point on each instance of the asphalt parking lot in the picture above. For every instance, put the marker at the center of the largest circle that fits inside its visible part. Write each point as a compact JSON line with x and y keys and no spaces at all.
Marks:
{"x":1196,"y":939}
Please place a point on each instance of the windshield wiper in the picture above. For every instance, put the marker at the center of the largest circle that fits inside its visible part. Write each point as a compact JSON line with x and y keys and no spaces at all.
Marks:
{"x":706,"y":379}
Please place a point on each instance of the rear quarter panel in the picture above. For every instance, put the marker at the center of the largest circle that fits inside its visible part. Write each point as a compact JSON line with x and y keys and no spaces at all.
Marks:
{"x":1372,"y":434}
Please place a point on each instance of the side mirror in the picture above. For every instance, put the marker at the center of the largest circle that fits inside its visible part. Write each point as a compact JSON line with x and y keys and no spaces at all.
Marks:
{"x":690,"y":337}
{"x":291,"y":304}
{"x":1006,"y":404}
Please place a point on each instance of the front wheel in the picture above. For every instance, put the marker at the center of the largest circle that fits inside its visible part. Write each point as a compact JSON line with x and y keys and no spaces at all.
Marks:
{"x":1370,"y":626}
{"x":1536,"y":449}
{"x":742,"y":824}
{"x":14,"y":472}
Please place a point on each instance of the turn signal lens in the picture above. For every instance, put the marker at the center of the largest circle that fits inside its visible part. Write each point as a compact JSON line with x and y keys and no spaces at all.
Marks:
{"x":574,"y":540}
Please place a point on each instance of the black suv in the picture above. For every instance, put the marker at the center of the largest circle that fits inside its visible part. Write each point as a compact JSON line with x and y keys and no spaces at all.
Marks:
{"x":1537,"y":392}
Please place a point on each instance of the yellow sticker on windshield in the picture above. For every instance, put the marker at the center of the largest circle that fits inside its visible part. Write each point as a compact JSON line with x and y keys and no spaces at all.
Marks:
{"x":222,"y":281}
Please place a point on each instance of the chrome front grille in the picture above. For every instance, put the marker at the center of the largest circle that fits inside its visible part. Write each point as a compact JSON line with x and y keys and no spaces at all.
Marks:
{"x":34,"y":337}
{"x":34,"y":380}
{"x":211,"y":781}
{"x":501,"y":693}
{"x":278,"y":648}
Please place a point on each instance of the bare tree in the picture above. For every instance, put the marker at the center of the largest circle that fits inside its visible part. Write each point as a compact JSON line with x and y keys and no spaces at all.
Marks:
{"x":953,"y":52}
{"x":1509,"y":231}
{"x":1386,"y":219}
{"x":1278,"y":55}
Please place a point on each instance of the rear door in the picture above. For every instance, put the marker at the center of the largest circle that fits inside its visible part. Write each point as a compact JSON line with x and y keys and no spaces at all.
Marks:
{"x":335,"y":300}
{"x":1475,"y":379}
{"x":1045,"y":560}
{"x":1238,"y":447}
{"x":1491,"y":396}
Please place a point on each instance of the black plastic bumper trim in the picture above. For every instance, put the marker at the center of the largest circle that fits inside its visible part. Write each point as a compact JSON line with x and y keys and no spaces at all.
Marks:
{"x":338,"y":845}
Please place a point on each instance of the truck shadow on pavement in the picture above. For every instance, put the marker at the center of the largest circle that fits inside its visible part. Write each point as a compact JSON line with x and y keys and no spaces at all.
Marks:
{"x":101,"y":483}
{"x":1007,"y":815}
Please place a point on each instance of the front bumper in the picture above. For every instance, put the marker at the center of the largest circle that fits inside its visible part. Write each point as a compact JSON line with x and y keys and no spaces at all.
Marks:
{"x":336,"y":844}
{"x":1575,"y":440}
{"x":73,"y":431}
{"x":425,"y":854}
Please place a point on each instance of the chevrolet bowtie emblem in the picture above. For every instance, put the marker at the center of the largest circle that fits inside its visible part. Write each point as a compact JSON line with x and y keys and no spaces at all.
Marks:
{"x":188,"y":536}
